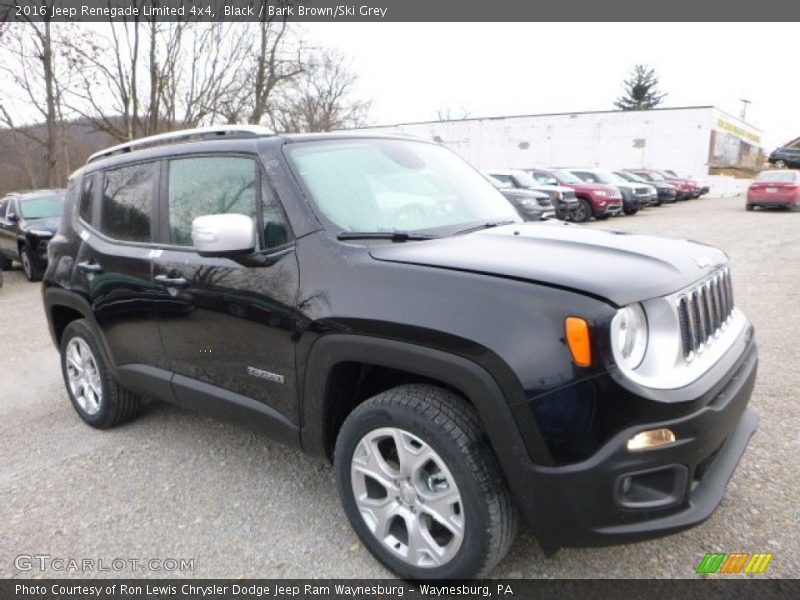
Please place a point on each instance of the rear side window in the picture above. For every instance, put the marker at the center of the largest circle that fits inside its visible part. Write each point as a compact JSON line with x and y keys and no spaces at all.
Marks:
{"x":86,"y":207}
{"x":209,"y":185}
{"x":127,"y":202}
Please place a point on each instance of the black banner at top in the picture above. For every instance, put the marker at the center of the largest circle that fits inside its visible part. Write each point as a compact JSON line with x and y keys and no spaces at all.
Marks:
{"x":400,"y":11}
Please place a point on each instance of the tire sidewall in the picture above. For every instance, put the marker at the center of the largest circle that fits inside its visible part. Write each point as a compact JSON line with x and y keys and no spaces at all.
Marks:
{"x":81,"y":330}
{"x":27,"y":263}
{"x":469,"y":558}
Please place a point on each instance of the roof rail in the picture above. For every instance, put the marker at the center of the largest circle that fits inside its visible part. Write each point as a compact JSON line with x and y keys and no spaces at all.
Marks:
{"x":212,"y":132}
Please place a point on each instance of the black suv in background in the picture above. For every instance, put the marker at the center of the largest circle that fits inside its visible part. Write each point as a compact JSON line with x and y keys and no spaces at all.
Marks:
{"x":27,"y":222}
{"x":788,"y":156}
{"x":374,"y":300}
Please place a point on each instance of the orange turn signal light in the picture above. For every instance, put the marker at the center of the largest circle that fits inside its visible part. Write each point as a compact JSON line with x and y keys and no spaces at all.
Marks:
{"x":577,"y":330}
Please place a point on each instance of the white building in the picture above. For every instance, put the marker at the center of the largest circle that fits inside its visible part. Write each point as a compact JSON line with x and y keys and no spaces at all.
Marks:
{"x":687,"y":140}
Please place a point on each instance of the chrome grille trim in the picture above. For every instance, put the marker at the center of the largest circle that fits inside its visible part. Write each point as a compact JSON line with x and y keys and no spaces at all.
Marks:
{"x":703,"y":311}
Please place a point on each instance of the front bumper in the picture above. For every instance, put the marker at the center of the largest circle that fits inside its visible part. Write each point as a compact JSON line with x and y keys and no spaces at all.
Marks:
{"x":612,"y":208}
{"x":586,"y":503}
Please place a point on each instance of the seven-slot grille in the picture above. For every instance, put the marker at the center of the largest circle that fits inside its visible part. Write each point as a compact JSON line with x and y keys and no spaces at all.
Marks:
{"x":703,"y":311}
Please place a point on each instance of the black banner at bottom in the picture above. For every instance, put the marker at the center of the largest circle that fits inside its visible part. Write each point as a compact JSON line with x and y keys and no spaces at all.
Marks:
{"x":372,"y":589}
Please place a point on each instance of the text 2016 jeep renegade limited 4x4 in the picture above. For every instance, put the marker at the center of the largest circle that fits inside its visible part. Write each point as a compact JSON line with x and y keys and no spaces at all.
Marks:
{"x":375,"y":300}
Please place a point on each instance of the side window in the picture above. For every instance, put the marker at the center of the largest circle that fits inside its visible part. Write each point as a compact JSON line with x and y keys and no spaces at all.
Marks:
{"x":127,"y":202}
{"x":3,"y":207}
{"x":276,"y":227}
{"x":209,"y":185}
{"x":504,"y":178}
{"x":86,"y":206}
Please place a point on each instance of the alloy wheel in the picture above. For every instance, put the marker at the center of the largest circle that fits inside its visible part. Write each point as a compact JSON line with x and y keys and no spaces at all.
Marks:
{"x":407,"y":497}
{"x":83,"y":376}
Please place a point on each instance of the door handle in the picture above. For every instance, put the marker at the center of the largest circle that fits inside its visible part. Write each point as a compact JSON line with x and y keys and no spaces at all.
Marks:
{"x":172,"y":281}
{"x":89,"y":267}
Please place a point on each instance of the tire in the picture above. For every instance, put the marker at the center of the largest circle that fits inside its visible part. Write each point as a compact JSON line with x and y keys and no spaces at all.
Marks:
{"x":5,"y":263}
{"x":113,"y":405}
{"x":748,"y":207}
{"x":630,"y":211}
{"x":32,"y":272}
{"x":780,"y":164}
{"x":584,"y":211}
{"x":426,"y":421}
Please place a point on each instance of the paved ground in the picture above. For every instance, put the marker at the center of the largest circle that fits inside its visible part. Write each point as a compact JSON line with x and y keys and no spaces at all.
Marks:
{"x":176,"y":485}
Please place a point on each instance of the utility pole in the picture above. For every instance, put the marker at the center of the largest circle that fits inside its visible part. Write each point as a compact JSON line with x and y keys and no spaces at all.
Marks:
{"x":745,"y":103}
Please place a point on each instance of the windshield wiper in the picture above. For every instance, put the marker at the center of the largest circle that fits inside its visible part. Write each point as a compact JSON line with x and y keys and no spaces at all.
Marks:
{"x":394,"y":236}
{"x":488,"y":225}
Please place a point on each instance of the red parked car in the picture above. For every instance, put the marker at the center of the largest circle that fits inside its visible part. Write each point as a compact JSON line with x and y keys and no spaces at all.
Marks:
{"x":773,"y":189}
{"x":597,"y":200}
{"x":686,"y":187}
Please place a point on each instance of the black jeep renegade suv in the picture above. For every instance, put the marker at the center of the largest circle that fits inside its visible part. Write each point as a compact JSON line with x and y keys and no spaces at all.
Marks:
{"x":375,"y":300}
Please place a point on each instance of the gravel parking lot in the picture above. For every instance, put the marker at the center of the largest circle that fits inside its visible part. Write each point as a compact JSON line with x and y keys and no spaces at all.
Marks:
{"x":172,"y":484}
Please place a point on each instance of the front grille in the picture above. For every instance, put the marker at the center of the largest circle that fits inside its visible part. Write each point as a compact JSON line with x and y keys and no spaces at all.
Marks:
{"x":569,"y":195}
{"x":703,"y":311}
{"x":641,"y":191}
{"x":544,"y":202}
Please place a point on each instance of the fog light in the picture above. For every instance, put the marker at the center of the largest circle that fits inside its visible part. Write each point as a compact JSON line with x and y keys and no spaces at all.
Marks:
{"x":651,"y":439}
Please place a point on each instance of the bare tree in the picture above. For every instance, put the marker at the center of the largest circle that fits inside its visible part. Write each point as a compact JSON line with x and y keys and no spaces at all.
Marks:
{"x":32,"y":64}
{"x":323,"y":97}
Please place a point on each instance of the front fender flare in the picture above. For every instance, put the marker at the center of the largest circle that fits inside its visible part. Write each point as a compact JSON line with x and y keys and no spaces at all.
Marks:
{"x":501,"y":422}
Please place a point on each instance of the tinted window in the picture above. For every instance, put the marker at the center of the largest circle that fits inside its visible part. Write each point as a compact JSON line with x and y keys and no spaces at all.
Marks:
{"x":87,"y":198}
{"x":127,"y":202}
{"x":778,"y":176}
{"x":3,"y":207}
{"x":208,"y":186}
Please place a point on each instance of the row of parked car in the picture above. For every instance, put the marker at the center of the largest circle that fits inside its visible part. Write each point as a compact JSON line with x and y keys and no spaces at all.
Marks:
{"x":579,"y":194}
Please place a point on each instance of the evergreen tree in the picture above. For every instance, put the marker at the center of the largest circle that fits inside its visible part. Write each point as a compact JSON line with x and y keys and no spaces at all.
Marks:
{"x":641,"y":90}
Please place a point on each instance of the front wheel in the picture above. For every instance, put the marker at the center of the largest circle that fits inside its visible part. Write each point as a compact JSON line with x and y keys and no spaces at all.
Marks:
{"x":421,"y":487}
{"x":780,"y":164}
{"x":584,"y":211}
{"x":29,"y":267}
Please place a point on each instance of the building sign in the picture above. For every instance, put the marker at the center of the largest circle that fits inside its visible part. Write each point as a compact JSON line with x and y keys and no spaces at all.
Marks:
{"x":738,"y":131}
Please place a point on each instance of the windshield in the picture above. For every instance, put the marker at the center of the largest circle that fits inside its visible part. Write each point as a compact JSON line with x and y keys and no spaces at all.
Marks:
{"x":653,"y":176}
{"x":605,"y":177}
{"x":777,"y":176}
{"x":630,"y":176}
{"x":42,"y":207}
{"x":524,"y":180}
{"x":500,"y":185}
{"x":566,"y":176}
{"x":395,"y":185}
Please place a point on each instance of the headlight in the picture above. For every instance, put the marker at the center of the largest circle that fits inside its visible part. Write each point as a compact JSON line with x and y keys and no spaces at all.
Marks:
{"x":559,"y":195}
{"x":40,"y":232}
{"x":601,"y":192}
{"x":629,"y":336}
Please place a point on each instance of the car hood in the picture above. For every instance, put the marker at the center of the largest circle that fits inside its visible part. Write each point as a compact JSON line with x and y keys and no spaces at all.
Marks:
{"x":618,"y":266}
{"x":523,"y":193}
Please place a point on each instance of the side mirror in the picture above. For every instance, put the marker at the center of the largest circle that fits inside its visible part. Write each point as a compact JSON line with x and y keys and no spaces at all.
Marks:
{"x":12,"y":218}
{"x":224,"y":235}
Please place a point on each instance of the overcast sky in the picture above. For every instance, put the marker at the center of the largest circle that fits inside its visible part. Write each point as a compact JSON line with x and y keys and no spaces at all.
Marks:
{"x":412,"y":70}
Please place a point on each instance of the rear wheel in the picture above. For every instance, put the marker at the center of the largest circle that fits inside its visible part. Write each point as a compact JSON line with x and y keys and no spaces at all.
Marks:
{"x":29,"y":267}
{"x":749,"y":207}
{"x":97,"y":398}
{"x":421,"y":487}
